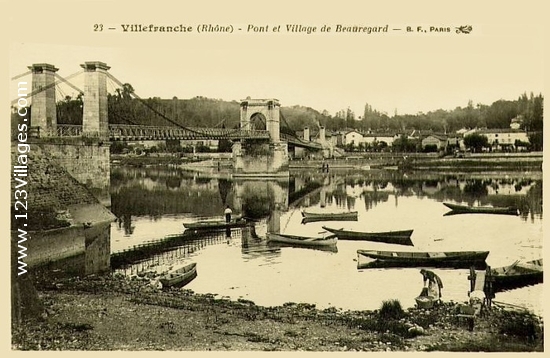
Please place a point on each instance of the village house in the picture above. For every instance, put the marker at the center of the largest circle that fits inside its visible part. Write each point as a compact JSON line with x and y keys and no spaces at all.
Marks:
{"x":501,"y":138}
{"x":437,"y":140}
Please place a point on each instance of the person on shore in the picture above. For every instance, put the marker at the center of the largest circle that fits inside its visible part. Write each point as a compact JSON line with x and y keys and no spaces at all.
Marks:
{"x":228,"y":213}
{"x":433,"y":282}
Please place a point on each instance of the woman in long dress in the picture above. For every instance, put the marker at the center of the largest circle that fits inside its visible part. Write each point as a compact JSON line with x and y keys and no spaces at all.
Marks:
{"x":433,"y":282}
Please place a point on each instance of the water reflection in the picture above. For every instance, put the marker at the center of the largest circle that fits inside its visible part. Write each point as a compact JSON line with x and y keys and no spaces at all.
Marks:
{"x":158,"y":192}
{"x":152,"y":204}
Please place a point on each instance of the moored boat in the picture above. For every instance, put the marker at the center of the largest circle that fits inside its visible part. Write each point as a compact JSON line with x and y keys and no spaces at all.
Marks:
{"x":518,"y":274}
{"x":340,"y":216}
{"x":464,"y":209}
{"x":329,"y":240}
{"x":402,"y":237}
{"x":455,"y":259}
{"x":180,"y":277}
{"x":216,"y":224}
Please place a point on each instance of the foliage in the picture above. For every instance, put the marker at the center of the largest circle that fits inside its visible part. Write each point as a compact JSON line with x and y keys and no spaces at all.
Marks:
{"x":200,"y":111}
{"x":391,"y":309}
{"x":430,"y":148}
{"x":69,"y":111}
{"x":118,"y":147}
{"x":520,"y":324}
{"x":476,"y":142}
{"x":403,"y":144}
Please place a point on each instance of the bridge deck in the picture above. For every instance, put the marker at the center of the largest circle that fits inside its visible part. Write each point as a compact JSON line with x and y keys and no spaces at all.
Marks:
{"x":129,"y":133}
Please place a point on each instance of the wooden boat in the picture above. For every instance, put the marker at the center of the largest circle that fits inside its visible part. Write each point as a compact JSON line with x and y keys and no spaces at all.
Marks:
{"x":456,"y":259}
{"x":517,"y":275}
{"x":329,"y":240}
{"x":341,"y":216}
{"x":216,"y":224}
{"x":179,"y":277}
{"x":464,"y":209}
{"x":391,"y":237}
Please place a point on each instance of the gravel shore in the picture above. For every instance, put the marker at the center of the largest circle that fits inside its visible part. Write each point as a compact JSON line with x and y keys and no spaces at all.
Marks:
{"x":118,"y":313}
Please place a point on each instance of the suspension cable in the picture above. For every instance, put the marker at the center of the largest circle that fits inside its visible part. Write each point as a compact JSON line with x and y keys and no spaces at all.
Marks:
{"x":21,"y":75}
{"x":162,"y":115}
{"x":55,"y":83}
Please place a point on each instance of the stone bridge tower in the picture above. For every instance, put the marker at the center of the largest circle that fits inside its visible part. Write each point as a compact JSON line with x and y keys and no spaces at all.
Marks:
{"x":85,"y":157}
{"x":44,"y":110}
{"x":269,"y":109}
{"x":261,"y":158}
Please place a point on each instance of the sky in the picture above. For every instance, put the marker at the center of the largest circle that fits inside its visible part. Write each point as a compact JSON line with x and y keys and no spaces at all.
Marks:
{"x":398,"y":71}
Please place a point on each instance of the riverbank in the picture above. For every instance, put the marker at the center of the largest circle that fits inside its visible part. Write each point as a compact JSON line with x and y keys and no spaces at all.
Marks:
{"x":113,"y":312}
{"x":521,"y":162}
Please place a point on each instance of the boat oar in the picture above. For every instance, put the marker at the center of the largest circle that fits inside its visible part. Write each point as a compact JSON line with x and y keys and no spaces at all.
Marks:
{"x":506,"y":269}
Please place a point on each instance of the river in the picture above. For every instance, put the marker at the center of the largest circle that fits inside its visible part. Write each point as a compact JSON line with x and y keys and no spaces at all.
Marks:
{"x":152,"y":205}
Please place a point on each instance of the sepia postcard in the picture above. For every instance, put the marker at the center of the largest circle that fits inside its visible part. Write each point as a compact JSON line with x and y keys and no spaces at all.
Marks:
{"x":245,"y":176}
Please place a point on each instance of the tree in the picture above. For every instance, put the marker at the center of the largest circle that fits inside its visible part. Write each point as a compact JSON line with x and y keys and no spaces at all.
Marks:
{"x":476,"y":142}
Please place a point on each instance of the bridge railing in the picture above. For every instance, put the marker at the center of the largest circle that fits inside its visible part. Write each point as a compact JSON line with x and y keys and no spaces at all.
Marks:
{"x":61,"y":130}
{"x":69,"y":130}
{"x":124,"y":131}
{"x":136,"y":132}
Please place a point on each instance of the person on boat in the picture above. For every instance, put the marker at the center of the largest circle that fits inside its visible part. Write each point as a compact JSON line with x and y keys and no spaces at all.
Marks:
{"x":434,"y":283}
{"x":228,"y":213}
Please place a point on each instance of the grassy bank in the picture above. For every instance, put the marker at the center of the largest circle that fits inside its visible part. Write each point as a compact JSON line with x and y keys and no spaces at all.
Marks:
{"x":117,"y":313}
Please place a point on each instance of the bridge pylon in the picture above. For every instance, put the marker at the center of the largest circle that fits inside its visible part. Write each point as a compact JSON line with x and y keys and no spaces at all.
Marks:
{"x":44,"y":109}
{"x":95,"y":122}
{"x":268,"y":108}
{"x":260,"y":157}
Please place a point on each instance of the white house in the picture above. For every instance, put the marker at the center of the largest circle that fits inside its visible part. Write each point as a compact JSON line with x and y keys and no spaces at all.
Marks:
{"x":499,"y":138}
{"x":352,"y":137}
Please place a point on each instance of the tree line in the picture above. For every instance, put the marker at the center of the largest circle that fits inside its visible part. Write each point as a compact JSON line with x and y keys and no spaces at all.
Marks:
{"x":124,"y":108}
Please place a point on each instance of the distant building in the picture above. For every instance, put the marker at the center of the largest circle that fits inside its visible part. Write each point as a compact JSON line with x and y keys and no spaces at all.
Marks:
{"x":437,"y":140}
{"x":501,"y":138}
{"x":353,"y":137}
{"x":516,"y":122}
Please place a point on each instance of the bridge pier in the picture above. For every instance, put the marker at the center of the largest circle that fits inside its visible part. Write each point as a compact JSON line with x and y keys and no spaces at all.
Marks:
{"x":85,"y":158}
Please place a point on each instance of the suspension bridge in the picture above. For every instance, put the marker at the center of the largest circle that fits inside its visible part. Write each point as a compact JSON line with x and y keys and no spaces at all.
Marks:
{"x":46,"y":83}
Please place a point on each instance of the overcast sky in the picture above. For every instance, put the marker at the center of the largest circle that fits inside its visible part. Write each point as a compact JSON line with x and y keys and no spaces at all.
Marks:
{"x":501,"y":58}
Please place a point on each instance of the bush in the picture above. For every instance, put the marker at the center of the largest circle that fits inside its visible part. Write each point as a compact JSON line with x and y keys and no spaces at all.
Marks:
{"x":391,"y":309}
{"x":520,"y":324}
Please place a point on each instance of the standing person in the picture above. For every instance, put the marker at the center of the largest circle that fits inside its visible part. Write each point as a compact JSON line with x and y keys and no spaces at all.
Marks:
{"x":228,"y":213}
{"x":434,"y":283}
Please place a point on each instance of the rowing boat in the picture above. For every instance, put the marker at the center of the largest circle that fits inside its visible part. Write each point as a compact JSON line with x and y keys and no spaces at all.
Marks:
{"x":180,"y":277}
{"x":464,"y":209}
{"x":329,"y":240}
{"x":341,"y":216}
{"x":518,"y":274}
{"x":215,"y":224}
{"x":402,"y":237}
{"x":456,"y":259}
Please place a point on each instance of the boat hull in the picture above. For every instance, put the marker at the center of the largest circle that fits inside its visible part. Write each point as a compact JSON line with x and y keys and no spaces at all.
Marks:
{"x":346,"y":216}
{"x":180,"y":277}
{"x":215,"y":225}
{"x":462,"y":209}
{"x":402,"y":237}
{"x":302,"y":240}
{"x":521,"y":275}
{"x":458,"y":259}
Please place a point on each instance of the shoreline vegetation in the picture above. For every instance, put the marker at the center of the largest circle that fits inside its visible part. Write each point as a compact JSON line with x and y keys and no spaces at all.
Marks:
{"x":370,"y":161}
{"x":116,"y":312}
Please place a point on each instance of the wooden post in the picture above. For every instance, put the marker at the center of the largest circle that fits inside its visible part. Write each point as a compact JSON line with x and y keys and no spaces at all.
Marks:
{"x":488,"y":288}
{"x":472,"y":278}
